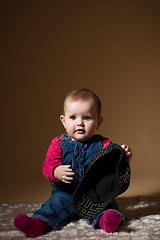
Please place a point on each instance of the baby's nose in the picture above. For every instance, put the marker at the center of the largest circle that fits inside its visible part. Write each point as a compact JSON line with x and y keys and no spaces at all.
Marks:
{"x":80,"y":122}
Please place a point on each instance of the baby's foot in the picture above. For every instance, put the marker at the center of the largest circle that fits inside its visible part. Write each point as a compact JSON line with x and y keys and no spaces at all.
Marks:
{"x":32,"y":227}
{"x":110,"y":221}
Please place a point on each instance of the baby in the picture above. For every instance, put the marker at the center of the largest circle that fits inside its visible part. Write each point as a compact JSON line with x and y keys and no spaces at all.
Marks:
{"x":66,"y":162}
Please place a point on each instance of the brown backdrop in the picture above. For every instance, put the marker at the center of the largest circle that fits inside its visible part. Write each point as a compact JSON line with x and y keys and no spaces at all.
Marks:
{"x":51,"y":47}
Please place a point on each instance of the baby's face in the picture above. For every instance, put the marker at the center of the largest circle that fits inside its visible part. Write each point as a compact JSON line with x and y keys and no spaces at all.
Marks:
{"x":81,"y":119}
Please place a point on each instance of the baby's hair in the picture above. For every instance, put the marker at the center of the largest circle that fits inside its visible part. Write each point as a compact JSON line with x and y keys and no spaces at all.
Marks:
{"x":84,"y":94}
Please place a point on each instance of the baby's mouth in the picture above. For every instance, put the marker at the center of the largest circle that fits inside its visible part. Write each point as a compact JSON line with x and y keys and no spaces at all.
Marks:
{"x":80,"y":131}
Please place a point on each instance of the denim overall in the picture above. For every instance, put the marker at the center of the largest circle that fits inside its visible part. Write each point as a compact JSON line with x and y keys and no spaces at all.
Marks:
{"x":58,"y":210}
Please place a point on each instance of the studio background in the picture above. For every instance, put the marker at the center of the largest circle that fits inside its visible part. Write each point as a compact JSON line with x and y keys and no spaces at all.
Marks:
{"x":49,"y":48}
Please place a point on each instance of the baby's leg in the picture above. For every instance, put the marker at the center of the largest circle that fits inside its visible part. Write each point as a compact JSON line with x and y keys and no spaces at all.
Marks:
{"x":54,"y":211}
{"x":32,"y":227}
{"x":110,"y":219}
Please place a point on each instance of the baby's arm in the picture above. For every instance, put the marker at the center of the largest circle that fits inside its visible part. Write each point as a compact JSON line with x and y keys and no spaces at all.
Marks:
{"x":64,"y":173}
{"x":52,"y":168}
{"x":53,"y":159}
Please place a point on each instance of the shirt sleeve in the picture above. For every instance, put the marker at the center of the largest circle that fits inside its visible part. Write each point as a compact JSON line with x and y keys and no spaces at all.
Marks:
{"x":105,"y":142}
{"x":53,"y":159}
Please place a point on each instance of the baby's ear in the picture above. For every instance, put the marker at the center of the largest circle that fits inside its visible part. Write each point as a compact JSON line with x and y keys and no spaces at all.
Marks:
{"x":100,"y":120}
{"x":62,"y":119}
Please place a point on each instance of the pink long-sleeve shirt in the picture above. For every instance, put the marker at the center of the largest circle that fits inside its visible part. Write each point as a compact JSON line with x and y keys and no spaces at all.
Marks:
{"x":54,"y":157}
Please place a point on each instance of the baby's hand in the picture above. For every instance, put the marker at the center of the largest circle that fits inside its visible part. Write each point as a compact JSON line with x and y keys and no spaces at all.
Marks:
{"x":127,"y":152}
{"x":64,"y":173}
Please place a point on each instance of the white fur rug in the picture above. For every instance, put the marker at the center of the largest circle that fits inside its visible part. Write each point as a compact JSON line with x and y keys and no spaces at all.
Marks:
{"x":142,"y":221}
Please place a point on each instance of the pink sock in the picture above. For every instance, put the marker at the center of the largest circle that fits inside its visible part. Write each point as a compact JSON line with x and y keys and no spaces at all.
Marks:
{"x":32,"y":227}
{"x":110,"y":221}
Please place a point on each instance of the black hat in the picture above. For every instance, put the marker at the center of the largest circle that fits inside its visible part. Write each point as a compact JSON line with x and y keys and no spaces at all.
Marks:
{"x":107,"y":176}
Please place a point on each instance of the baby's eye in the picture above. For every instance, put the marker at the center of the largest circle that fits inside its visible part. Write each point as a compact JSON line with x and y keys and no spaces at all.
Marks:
{"x":87,"y":118}
{"x":72,"y":117}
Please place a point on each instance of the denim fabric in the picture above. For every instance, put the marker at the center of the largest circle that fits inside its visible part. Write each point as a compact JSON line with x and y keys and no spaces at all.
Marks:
{"x":78,"y":155}
{"x":58,"y":210}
